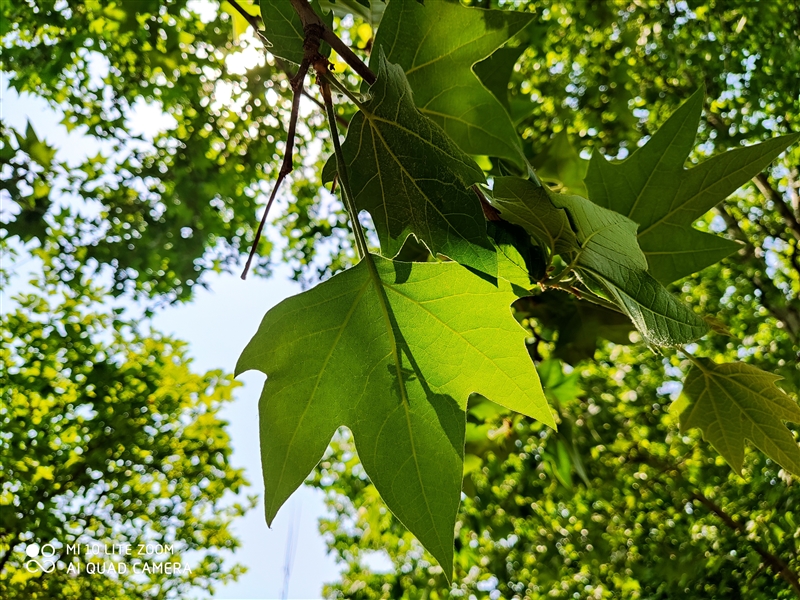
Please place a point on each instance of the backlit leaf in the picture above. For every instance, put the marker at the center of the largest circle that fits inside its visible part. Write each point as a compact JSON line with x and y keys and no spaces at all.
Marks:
{"x":653,"y":188}
{"x":284,"y":30}
{"x":732,"y":402}
{"x":436,"y":44}
{"x":412,"y":178}
{"x":610,"y":256}
{"x":391,"y":350}
{"x":528,"y":205}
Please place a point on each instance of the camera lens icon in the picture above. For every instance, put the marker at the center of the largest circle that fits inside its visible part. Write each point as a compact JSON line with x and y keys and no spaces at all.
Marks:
{"x":46,"y":552}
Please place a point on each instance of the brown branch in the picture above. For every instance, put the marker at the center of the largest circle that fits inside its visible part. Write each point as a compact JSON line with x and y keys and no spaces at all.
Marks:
{"x":309,"y":17}
{"x":769,"y":291}
{"x":771,"y":194}
{"x":254,"y":23}
{"x":286,"y":166}
{"x":776,"y":562}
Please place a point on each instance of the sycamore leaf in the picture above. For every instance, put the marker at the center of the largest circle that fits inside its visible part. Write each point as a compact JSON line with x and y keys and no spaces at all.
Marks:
{"x":391,"y":350}
{"x":528,"y":205}
{"x":653,"y":188}
{"x":39,"y":151}
{"x":284,"y":30}
{"x":660,"y":317}
{"x":601,"y":244}
{"x":369,"y":12}
{"x":412,"y":178}
{"x":732,"y":402}
{"x":436,"y":44}
{"x":610,"y":257}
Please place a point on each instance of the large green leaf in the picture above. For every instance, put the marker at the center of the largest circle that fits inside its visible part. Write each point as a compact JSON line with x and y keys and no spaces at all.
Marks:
{"x":732,"y":402}
{"x":391,"y":350}
{"x":653,"y":188}
{"x":412,"y":178}
{"x":495,"y":71}
{"x":519,"y":261}
{"x":437,"y":44}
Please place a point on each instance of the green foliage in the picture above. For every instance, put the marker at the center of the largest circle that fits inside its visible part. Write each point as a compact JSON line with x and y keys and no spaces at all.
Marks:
{"x":162,"y":213}
{"x":436,"y":45}
{"x":643,"y":527}
{"x":110,"y":438}
{"x":609,"y":256}
{"x":528,"y":205}
{"x":412,"y":178}
{"x":616,"y":503}
{"x":653,"y":188}
{"x":736,"y":401}
{"x":284,"y":30}
{"x":396,"y":354}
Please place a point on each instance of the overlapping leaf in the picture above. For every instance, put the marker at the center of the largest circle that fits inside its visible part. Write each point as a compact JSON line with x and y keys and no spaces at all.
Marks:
{"x":560,"y":162}
{"x":519,"y":261}
{"x":610,"y":256}
{"x":653,"y":188}
{"x":240,"y":24}
{"x":601,"y":244}
{"x":412,"y":178}
{"x":528,"y":205}
{"x":436,"y":44}
{"x":732,"y":402}
{"x":392,"y":350}
{"x":369,"y":12}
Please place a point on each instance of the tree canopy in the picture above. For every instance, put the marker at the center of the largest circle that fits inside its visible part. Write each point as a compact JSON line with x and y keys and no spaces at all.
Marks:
{"x":615,"y":171}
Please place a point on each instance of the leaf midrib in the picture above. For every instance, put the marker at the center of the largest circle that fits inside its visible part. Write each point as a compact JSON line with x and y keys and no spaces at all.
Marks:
{"x":383,"y":300}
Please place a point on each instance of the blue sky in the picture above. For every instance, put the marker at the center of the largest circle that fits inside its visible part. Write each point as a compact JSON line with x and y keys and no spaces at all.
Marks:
{"x":217,"y":324}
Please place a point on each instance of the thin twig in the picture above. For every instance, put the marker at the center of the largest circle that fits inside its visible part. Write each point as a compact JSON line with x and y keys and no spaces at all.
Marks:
{"x":253,"y":20}
{"x":771,"y":194}
{"x":783,"y":310}
{"x":774,"y":561}
{"x":286,"y":166}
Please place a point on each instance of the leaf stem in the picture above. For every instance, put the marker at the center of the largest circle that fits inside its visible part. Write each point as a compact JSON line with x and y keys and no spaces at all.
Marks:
{"x":341,"y":166}
{"x":331,"y":79}
{"x":693,"y":359}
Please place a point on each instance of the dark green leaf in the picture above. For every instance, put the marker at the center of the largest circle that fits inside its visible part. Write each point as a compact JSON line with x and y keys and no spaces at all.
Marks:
{"x":653,"y":188}
{"x":732,"y":402}
{"x":412,"y":178}
{"x":528,"y":205}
